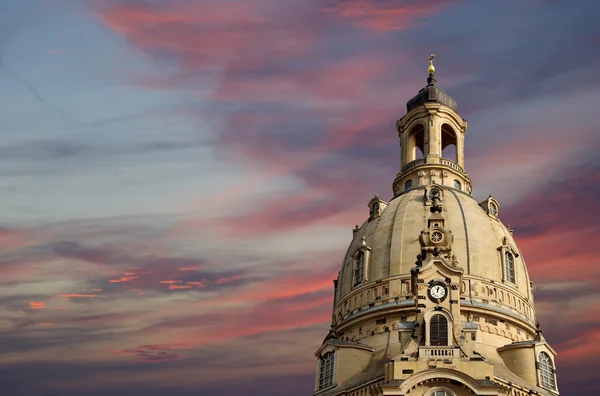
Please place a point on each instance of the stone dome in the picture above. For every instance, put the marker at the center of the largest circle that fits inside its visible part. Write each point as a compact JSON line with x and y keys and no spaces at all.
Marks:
{"x":478,"y":237}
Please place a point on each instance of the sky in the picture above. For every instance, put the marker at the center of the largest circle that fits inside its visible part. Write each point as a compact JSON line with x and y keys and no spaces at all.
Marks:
{"x":179,"y":178}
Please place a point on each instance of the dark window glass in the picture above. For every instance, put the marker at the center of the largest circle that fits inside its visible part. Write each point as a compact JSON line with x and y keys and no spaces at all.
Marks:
{"x":438,"y":327}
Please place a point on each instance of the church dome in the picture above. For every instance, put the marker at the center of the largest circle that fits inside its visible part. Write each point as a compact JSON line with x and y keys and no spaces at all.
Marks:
{"x":480,"y":244}
{"x":433,"y":296}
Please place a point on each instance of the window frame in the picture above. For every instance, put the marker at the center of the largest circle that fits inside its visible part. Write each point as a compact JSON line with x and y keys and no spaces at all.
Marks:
{"x":441,"y":338}
{"x":326,"y":370}
{"x":547,"y":372}
{"x":364,"y":251}
{"x":449,"y":327}
{"x":358,"y":274}
{"x":435,"y":390}
{"x":505,"y":250}
{"x":457,"y":185}
{"x":509,"y":267}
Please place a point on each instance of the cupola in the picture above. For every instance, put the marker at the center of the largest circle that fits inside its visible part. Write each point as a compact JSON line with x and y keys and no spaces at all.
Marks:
{"x":432,"y":136}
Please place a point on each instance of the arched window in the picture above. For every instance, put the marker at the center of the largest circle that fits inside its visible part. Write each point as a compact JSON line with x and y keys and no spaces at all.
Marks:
{"x":457,"y":185}
{"x":509,"y":263}
{"x":438,"y":330}
{"x":449,"y":143}
{"x":359,"y":267}
{"x":416,"y":143}
{"x":493,"y":209}
{"x":408,"y":184}
{"x":326,"y":370}
{"x":546,"y":371}
{"x":374,"y":212}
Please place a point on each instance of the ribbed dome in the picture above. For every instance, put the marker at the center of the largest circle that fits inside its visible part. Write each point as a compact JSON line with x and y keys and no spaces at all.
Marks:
{"x":393,"y":238}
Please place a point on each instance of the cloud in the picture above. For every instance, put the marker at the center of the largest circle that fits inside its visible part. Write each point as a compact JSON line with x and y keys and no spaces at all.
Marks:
{"x":152,"y":353}
{"x":384,"y":16}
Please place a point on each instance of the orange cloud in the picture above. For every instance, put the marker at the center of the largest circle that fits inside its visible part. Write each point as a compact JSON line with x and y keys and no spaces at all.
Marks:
{"x":37,"y":305}
{"x":124,"y":279}
{"x":173,"y":287}
{"x":82,"y":296}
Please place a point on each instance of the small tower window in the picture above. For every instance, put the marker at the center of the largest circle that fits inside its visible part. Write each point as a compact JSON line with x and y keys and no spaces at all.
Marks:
{"x":359,"y":268}
{"x":509,"y":263}
{"x":416,"y":143}
{"x":493,"y":209}
{"x":449,"y":143}
{"x":326,"y":370}
{"x":546,"y":371}
{"x":408,"y":184}
{"x":457,"y":185}
{"x":438,"y":328}
{"x":374,"y":212}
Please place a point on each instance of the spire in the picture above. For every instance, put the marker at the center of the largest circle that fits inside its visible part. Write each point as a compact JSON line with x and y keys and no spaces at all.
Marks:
{"x":431,"y":92}
{"x":431,"y":70}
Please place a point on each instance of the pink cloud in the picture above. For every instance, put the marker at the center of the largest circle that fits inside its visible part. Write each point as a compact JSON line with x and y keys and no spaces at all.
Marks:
{"x":124,"y":279}
{"x":383,"y":15}
{"x":176,"y":287}
{"x":37,"y":305}
{"x":150,"y":353}
{"x":74,"y":295}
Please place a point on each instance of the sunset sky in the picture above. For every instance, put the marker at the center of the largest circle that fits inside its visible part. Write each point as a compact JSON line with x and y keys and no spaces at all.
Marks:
{"x":179,"y":178}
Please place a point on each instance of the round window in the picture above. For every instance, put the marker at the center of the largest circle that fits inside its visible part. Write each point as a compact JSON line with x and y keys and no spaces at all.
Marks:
{"x":436,"y":236}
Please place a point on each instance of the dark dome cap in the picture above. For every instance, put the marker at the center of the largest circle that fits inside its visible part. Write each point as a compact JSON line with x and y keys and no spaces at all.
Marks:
{"x":431,"y":93}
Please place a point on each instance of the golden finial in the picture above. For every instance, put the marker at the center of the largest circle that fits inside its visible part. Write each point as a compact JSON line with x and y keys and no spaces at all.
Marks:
{"x":431,"y":68}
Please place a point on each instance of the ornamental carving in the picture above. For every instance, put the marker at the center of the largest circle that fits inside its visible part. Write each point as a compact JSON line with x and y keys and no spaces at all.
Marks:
{"x":436,"y":241}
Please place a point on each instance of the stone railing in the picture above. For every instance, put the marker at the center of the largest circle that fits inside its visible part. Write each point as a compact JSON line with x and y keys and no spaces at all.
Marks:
{"x":451,"y":164}
{"x":439,"y":352}
{"x":413,"y":164}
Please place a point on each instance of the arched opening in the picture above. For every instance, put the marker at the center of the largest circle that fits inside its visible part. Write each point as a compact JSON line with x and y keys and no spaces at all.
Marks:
{"x":457,"y":185}
{"x":408,"y":185}
{"x":438,"y":330}
{"x":546,"y":371}
{"x":449,"y":150}
{"x":416,"y":143}
{"x":374,"y":212}
{"x":326,"y":370}
{"x":509,"y":264}
{"x":359,"y":268}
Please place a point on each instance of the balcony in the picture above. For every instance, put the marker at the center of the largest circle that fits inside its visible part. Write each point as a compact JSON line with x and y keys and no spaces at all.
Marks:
{"x":451,"y":164}
{"x":439,"y":352}
{"x":443,"y":161}
{"x":413,"y":164}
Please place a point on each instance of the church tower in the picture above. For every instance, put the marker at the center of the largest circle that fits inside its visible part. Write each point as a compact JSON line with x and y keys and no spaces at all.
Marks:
{"x":433,"y":297}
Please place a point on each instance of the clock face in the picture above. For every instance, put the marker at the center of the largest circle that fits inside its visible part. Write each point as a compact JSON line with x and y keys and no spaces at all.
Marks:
{"x":437,"y":291}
